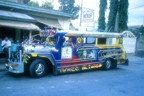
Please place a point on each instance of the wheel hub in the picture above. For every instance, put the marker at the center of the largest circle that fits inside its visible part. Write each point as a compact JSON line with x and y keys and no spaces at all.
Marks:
{"x":108,"y":64}
{"x":39,"y":69}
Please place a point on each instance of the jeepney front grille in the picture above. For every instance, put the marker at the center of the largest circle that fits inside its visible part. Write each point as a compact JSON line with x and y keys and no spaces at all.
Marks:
{"x":16,"y":56}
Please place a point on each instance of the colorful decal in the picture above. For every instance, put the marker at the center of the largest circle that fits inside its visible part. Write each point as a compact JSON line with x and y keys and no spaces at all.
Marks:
{"x":79,"y":68}
{"x":92,"y":66}
{"x":110,"y":53}
{"x":79,"y":40}
{"x":66,"y":52}
{"x":87,"y":54}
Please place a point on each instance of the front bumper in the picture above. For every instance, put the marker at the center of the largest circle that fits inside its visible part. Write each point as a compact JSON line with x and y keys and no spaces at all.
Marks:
{"x":15,"y":67}
{"x":126,"y":62}
{"x":123,"y":62}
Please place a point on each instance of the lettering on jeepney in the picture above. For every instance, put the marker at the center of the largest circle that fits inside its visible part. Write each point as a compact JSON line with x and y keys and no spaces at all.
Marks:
{"x":85,"y":67}
{"x":109,"y":53}
{"x":92,"y":66}
{"x":70,"y":69}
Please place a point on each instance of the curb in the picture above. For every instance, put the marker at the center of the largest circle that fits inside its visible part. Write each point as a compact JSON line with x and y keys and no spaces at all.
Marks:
{"x":2,"y":70}
{"x":2,"y":66}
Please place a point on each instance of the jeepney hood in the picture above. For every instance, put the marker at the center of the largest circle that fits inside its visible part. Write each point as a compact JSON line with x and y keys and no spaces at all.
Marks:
{"x":38,"y":49}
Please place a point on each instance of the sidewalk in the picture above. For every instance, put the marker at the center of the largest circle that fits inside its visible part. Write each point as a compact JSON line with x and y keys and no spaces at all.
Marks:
{"x":2,"y":64}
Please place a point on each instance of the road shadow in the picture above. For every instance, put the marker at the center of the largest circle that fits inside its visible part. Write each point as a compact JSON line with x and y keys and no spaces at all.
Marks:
{"x":98,"y":71}
{"x":87,"y":72}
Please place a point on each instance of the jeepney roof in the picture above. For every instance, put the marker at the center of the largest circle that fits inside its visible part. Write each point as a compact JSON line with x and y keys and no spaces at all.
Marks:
{"x":93,"y":34}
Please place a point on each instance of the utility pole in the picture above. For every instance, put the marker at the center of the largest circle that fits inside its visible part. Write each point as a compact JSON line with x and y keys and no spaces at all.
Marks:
{"x":143,"y":20}
{"x":81,"y":12}
{"x":116,"y":28}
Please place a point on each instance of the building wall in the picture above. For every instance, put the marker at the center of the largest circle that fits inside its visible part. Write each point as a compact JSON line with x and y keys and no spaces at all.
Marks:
{"x":65,"y":23}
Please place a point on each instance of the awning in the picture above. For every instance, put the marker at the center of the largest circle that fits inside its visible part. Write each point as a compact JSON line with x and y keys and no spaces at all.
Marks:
{"x":8,"y":15}
{"x":19,"y":25}
{"x":49,"y":22}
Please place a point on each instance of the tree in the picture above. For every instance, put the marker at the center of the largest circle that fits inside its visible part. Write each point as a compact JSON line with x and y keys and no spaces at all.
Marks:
{"x":47,"y":5}
{"x":118,"y":15}
{"x":101,"y":19}
{"x":112,"y":15}
{"x":123,"y":14}
{"x":32,"y":3}
{"x":68,"y":6}
{"x":141,"y":29}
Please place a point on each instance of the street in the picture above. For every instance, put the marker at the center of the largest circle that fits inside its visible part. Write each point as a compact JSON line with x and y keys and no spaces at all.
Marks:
{"x":123,"y":81}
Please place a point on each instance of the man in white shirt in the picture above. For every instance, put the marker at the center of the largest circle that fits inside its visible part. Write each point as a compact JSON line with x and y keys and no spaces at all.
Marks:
{"x":6,"y":44}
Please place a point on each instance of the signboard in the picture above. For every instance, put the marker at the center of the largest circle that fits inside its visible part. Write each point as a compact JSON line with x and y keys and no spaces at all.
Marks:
{"x":87,"y":15}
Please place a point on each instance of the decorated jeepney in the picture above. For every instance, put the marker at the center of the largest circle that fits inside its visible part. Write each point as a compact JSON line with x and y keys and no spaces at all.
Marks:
{"x":65,"y":52}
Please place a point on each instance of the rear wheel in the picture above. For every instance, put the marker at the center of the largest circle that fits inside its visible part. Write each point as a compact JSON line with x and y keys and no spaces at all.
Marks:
{"x":38,"y":68}
{"x":107,"y":65}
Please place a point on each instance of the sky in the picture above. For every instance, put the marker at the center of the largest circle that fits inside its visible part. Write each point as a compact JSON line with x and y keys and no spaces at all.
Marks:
{"x":135,"y":12}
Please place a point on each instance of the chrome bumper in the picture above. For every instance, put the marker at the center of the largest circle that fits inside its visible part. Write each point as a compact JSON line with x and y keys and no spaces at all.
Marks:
{"x":15,"y":67}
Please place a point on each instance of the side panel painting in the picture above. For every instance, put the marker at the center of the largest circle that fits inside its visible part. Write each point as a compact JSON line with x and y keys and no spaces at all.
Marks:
{"x":87,"y":54}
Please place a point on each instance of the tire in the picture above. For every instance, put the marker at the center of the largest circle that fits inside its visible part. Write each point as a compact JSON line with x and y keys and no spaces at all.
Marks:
{"x":107,"y":64}
{"x":38,"y":68}
{"x":114,"y":64}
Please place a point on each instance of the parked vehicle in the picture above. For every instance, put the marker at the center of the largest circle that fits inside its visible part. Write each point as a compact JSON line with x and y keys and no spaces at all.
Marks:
{"x":65,"y":52}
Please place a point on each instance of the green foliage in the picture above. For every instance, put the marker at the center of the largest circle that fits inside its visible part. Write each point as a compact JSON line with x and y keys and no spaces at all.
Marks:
{"x":47,"y":5}
{"x":121,"y":7}
{"x":32,"y":3}
{"x":123,"y":14}
{"x":101,"y":19}
{"x":68,"y":6}
{"x":141,"y":29}
{"x":112,"y":15}
{"x":137,"y":30}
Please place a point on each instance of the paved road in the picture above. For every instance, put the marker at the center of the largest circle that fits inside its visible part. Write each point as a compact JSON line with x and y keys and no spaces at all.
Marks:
{"x":124,"y":81}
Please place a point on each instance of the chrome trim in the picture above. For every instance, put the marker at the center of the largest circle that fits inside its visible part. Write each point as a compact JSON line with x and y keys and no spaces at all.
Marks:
{"x":20,"y":56}
{"x":18,"y":69}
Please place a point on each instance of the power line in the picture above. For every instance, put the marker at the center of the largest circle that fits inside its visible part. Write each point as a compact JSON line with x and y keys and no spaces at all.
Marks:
{"x":137,"y":7}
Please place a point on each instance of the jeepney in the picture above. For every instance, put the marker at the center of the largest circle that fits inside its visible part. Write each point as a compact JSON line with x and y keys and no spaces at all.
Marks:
{"x":66,"y":52}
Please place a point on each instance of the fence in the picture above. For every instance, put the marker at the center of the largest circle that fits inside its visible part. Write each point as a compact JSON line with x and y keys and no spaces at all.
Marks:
{"x":129,"y":42}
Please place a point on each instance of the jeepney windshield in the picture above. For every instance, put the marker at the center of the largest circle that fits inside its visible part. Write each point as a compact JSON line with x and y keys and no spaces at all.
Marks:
{"x":42,"y":39}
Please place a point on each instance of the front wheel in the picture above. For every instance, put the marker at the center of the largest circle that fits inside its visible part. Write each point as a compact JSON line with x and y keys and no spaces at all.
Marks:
{"x":107,"y":64}
{"x":38,"y":68}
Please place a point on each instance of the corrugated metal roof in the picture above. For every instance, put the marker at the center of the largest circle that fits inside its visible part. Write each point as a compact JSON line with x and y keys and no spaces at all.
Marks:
{"x":8,"y":14}
{"x":19,"y":25}
{"x":34,"y":9}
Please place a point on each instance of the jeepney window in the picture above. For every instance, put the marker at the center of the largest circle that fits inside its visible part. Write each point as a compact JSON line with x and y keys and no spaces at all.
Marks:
{"x":102,"y":41}
{"x":69,"y":41}
{"x":112,"y":41}
{"x":90,"y":40}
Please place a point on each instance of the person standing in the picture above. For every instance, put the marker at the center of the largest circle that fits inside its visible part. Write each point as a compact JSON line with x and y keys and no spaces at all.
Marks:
{"x":6,"y":44}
